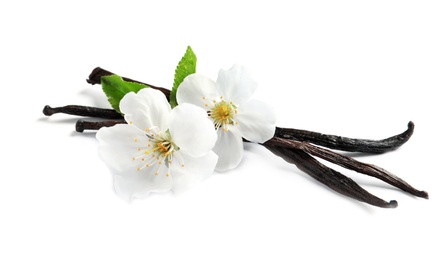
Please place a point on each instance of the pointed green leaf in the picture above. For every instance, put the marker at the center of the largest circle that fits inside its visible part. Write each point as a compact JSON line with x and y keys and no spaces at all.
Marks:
{"x":116,"y":88}
{"x":185,"y":67}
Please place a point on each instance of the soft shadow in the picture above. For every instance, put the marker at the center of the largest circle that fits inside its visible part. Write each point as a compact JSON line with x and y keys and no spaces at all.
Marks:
{"x":48,"y":119}
{"x":87,"y":134}
{"x":249,"y":146}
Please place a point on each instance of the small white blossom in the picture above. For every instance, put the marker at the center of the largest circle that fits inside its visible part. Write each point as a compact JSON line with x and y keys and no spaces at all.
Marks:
{"x":159,"y":149}
{"x":234,"y":114}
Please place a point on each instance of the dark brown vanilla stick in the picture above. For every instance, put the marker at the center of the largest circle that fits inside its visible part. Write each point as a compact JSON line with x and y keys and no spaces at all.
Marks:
{"x":82,"y":111}
{"x":97,"y":73}
{"x":347,"y":144}
{"x":350,"y":163}
{"x":82,"y":125}
{"x":329,"y":177}
{"x":329,"y":141}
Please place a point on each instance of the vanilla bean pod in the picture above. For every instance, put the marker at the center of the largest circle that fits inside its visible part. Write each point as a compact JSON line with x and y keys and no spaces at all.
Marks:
{"x":329,"y":141}
{"x":97,"y":73}
{"x":82,"y":125}
{"x":83,"y":111}
{"x":350,"y":163}
{"x":347,"y":144}
{"x":327,"y":176}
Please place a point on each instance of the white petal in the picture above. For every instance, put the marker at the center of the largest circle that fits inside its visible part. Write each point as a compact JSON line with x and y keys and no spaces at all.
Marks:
{"x":118,"y":145}
{"x":198,"y":90}
{"x":235,"y":84}
{"x":256,"y":121}
{"x":147,"y":108}
{"x":193,"y":171}
{"x":191,"y":130}
{"x":139,"y":184}
{"x":229,"y":148}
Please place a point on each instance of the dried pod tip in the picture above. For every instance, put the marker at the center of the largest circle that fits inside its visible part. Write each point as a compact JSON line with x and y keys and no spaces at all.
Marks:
{"x":80,"y":126}
{"x":422,"y":194}
{"x":47,"y":110}
{"x":392,"y":204}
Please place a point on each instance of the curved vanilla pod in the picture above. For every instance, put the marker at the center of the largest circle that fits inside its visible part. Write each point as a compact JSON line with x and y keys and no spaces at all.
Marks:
{"x":97,"y":73}
{"x":351,"y":164}
{"x":82,"y":111}
{"x":345,"y":143}
{"x":327,"y":176}
{"x":82,"y":125}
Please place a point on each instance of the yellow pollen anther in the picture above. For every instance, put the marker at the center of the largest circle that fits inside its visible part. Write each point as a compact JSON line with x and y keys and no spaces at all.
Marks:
{"x":156,"y":174}
{"x":147,"y":152}
{"x":206,"y":105}
{"x":130,"y":123}
{"x":167,"y":174}
{"x":139,"y":169}
{"x":142,"y":159}
{"x":203,"y":98}
{"x":133,"y":159}
{"x":135,"y":139}
{"x":183,"y":165}
{"x":162,"y":147}
{"x":222,"y":112}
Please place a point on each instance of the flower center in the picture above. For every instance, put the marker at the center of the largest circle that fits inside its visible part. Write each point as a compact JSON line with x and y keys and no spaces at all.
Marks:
{"x":158,"y":150}
{"x":163,"y":147}
{"x":223,"y":114}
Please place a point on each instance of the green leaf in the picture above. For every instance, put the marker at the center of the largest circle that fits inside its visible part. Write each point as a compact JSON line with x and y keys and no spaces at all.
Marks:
{"x":185,"y":67}
{"x":116,"y":88}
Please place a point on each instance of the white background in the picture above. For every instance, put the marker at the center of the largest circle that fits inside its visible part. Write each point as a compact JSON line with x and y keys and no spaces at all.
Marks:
{"x":352,"y":68}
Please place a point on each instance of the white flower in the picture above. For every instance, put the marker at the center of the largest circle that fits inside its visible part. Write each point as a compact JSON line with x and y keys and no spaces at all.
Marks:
{"x":233,"y":113}
{"x":159,"y":149}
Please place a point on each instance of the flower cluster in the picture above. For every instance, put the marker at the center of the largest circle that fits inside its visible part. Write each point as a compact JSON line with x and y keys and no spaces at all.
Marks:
{"x":162,"y":149}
